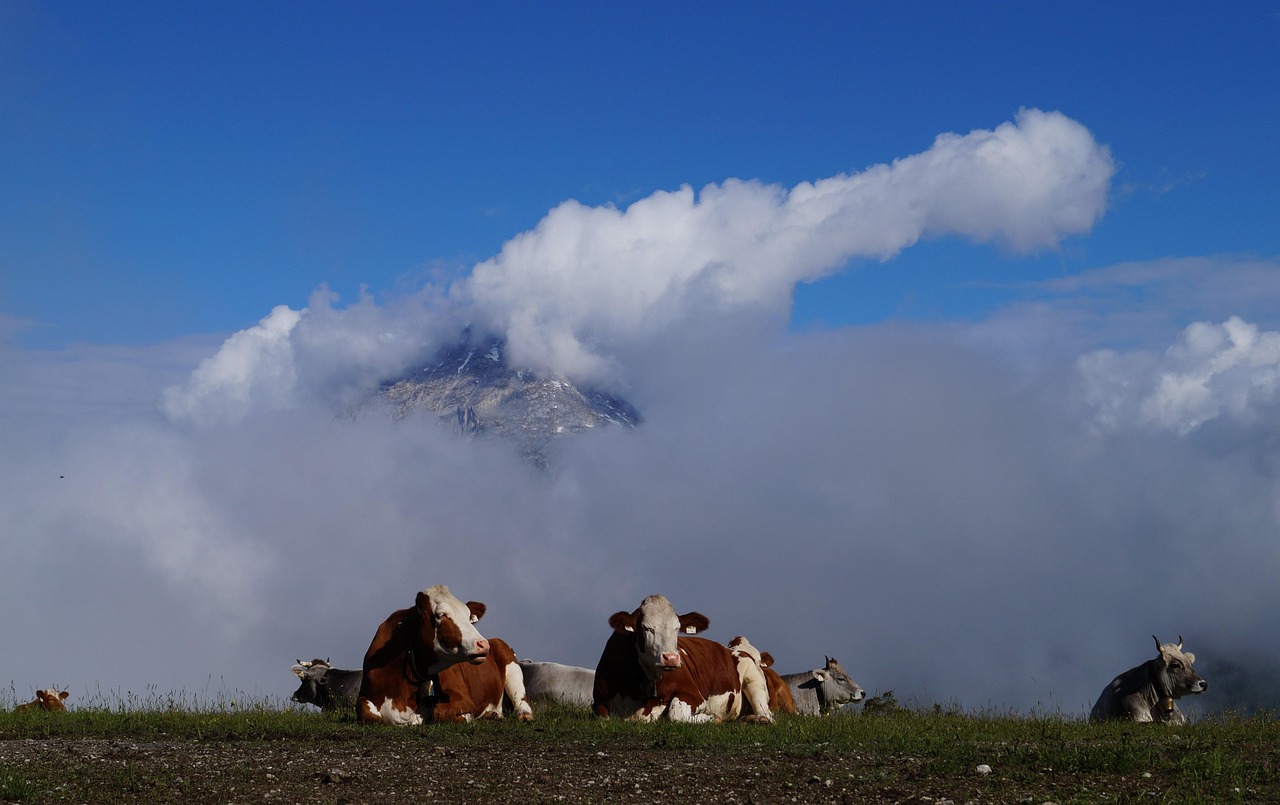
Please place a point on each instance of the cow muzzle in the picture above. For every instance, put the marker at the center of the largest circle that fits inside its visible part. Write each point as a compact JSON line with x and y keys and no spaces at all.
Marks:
{"x":669,"y":661}
{"x":481,"y":652}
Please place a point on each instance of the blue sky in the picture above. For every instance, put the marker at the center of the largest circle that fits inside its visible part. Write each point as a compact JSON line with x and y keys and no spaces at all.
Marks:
{"x":180,"y":169}
{"x":955,"y":329}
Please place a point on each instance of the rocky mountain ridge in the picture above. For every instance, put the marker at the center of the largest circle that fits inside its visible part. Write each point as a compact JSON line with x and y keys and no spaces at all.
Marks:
{"x":473,"y":391}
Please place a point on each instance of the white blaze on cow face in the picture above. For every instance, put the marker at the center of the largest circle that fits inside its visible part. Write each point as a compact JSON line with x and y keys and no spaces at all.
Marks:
{"x":454,"y":637}
{"x":657,"y":629}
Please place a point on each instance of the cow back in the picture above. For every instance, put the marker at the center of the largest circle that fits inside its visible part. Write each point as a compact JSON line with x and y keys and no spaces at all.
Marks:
{"x":780,"y":698}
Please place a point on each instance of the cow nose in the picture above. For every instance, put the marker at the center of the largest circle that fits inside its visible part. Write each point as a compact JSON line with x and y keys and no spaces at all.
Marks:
{"x":670,"y":659}
{"x":1203,"y":686}
{"x":482,"y":647}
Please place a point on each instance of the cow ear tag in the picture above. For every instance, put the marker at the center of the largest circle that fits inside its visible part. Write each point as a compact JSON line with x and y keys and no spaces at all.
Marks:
{"x":691,"y":630}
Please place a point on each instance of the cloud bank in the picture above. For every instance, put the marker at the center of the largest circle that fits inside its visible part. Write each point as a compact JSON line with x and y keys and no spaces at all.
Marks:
{"x":951,"y":518}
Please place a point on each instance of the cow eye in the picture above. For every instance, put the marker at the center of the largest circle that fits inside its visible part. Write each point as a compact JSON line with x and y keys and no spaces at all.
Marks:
{"x":1176,"y":665}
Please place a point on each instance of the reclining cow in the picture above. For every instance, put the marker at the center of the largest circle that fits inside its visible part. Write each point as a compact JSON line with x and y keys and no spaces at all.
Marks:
{"x":648,"y":668}
{"x":428,"y":663}
{"x":780,"y":698}
{"x":326,"y":687}
{"x":48,"y":700}
{"x":824,"y":690}
{"x":554,"y":682}
{"x":757,"y":705}
{"x":1147,"y":692}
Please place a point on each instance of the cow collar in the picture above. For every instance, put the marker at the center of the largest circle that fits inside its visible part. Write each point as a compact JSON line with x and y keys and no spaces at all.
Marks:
{"x":428,"y":684}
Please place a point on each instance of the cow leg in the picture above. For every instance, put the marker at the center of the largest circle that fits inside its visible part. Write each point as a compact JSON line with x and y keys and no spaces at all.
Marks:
{"x":457,"y":709}
{"x":682,"y":711}
{"x":365,"y":711}
{"x":513,"y":686}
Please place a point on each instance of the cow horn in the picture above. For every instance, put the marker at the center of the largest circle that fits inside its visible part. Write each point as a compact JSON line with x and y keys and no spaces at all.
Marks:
{"x":1179,"y":642}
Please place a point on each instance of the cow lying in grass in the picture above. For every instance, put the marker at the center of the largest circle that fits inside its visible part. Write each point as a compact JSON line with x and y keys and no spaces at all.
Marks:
{"x":1147,"y":692}
{"x":47,"y":700}
{"x":428,"y":663}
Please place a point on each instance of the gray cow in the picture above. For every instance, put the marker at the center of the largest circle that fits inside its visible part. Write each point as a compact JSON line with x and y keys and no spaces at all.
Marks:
{"x":553,"y":682}
{"x":326,"y":687}
{"x":1147,"y":692}
{"x":823,"y":690}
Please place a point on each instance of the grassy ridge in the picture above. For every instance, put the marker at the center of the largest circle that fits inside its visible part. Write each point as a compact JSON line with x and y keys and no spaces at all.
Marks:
{"x":1229,"y":759}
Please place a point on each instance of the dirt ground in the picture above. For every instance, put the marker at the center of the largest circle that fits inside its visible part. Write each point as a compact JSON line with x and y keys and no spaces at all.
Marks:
{"x":336,"y":771}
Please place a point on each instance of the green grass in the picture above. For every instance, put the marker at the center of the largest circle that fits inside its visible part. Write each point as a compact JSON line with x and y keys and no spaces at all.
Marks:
{"x":1225,"y":759}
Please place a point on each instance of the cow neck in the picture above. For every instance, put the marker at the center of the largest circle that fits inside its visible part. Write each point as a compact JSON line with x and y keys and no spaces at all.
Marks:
{"x":427,"y":683}
{"x":1157,"y":680}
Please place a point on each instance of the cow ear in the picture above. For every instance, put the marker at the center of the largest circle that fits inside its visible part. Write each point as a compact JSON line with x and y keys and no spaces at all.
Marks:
{"x":64,"y":694}
{"x":766,"y":659}
{"x":623,"y":621}
{"x":477,"y":610}
{"x":40,"y":694}
{"x":819,"y":674}
{"x":1191,"y":658}
{"x":694,"y":622}
{"x":299,"y":670}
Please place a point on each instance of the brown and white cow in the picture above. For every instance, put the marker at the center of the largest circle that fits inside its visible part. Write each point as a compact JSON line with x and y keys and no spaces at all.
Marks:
{"x":48,"y":700}
{"x":824,"y":690}
{"x":755,"y":687}
{"x":651,"y":666}
{"x":780,"y":698}
{"x":430,"y":663}
{"x":1147,"y":692}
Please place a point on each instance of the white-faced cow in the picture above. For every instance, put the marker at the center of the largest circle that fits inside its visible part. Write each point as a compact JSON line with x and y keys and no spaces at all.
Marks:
{"x":1147,"y":692}
{"x":651,"y":666}
{"x":326,"y":687}
{"x":755,"y":687}
{"x":48,"y":700}
{"x":553,"y":682}
{"x":429,"y":663}
{"x":823,"y":690}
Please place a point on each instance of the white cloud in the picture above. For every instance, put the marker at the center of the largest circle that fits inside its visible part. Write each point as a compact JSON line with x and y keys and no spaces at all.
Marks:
{"x":590,"y":283}
{"x":253,"y":368}
{"x":1213,"y":370}
{"x":588,"y":280}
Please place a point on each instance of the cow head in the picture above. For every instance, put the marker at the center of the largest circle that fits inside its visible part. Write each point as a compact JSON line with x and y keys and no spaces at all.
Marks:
{"x":1175,"y":676}
{"x":656,"y":627}
{"x":312,"y":675}
{"x":835,"y":686}
{"x":49,"y":700}
{"x":446,"y":628}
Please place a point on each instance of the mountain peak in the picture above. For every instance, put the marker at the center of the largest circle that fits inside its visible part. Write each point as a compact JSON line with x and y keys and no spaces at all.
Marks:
{"x":472,"y":390}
